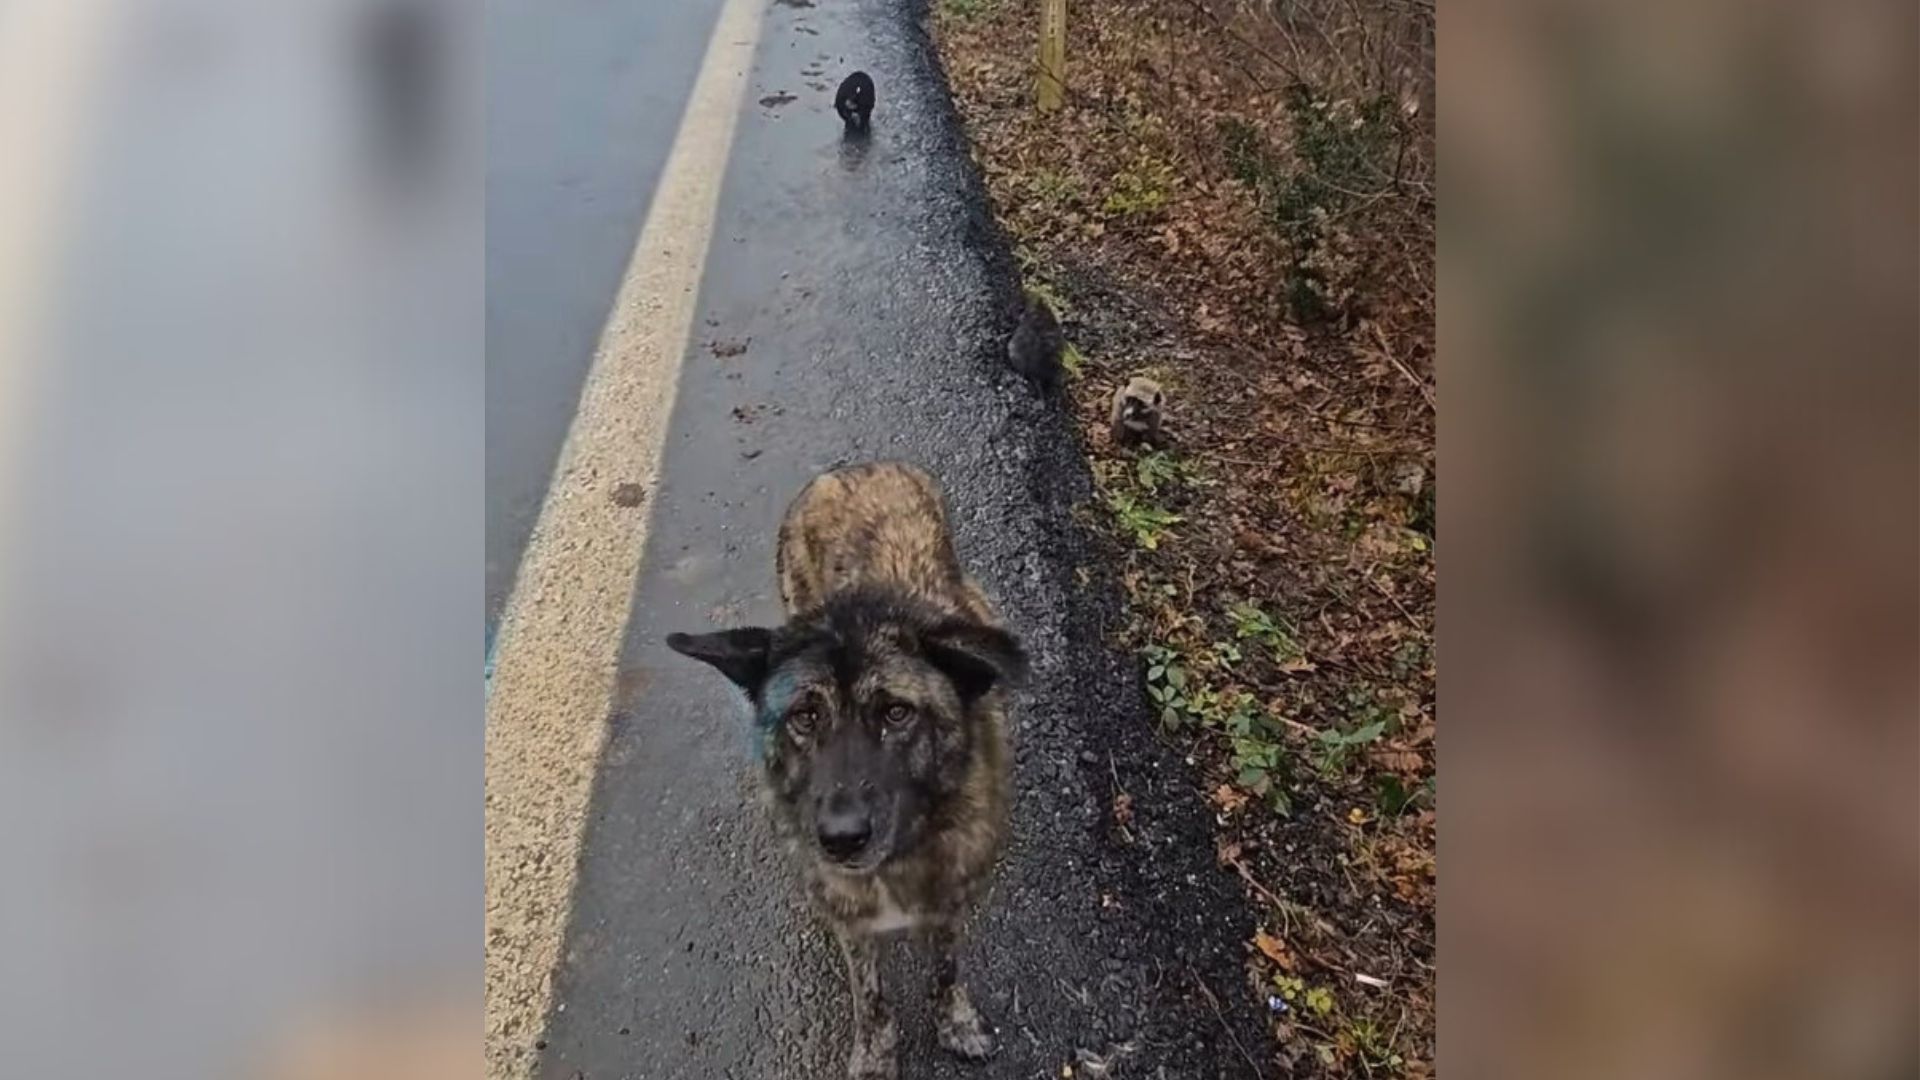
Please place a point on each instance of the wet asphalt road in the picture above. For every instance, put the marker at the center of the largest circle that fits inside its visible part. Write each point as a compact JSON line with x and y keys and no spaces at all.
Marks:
{"x":872,"y":296}
{"x":582,"y":104}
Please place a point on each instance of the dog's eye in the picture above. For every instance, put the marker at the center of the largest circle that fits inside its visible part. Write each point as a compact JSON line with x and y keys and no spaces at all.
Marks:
{"x":898,"y":714}
{"x":801,"y":721}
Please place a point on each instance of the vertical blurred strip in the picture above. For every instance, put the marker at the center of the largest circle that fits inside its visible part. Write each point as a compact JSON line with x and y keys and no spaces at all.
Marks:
{"x":48,"y":53}
{"x":240,"y":443}
{"x":1680,"y":436}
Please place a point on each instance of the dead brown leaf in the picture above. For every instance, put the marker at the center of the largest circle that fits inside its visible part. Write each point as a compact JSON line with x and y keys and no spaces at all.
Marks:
{"x":1273,"y":949}
{"x":1229,"y":798}
{"x":1400,"y":761}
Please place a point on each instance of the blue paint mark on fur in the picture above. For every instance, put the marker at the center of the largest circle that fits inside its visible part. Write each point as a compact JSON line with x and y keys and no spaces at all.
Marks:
{"x":756,"y":732}
{"x":777,"y":694}
{"x":774,"y":699}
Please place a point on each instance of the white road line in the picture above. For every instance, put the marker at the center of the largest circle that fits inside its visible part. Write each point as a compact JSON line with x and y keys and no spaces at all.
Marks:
{"x":51,"y":52}
{"x":559,"y":638}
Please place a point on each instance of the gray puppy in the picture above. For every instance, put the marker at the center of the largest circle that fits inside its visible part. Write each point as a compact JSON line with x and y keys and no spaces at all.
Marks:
{"x":1137,"y":415}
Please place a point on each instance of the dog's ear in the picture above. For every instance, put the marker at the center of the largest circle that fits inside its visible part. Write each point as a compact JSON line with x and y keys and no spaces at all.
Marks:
{"x":741,"y":655}
{"x":975,"y":656}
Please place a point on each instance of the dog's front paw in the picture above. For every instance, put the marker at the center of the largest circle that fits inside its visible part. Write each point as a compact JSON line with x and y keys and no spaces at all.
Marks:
{"x":962,"y":1030}
{"x":874,"y":1057}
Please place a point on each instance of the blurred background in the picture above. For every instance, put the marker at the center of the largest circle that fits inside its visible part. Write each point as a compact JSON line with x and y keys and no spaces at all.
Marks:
{"x":1678,"y":607}
{"x":240,"y":538}
{"x":241,"y":544}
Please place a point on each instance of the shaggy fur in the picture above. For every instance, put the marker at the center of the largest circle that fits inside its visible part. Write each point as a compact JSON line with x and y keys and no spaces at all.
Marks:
{"x":881,"y":700}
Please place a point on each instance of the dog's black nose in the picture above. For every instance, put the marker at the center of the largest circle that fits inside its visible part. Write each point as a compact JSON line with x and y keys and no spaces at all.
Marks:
{"x":844,"y":833}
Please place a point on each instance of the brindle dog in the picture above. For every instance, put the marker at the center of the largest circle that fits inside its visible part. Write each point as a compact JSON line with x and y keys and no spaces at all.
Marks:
{"x":880,"y":703}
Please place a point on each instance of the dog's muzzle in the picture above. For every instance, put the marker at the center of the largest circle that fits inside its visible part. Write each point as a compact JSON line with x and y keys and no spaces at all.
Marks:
{"x":844,"y":828}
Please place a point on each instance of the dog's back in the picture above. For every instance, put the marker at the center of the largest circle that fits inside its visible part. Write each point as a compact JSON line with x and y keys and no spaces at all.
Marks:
{"x":877,"y":524}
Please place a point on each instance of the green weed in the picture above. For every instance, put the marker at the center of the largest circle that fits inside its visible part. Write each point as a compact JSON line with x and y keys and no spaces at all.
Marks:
{"x":1259,"y":760}
{"x":1250,"y":622}
{"x":1146,"y":523}
{"x":1073,"y":360}
{"x":1318,"y":1001}
{"x":1044,"y":290}
{"x":1368,"y":720}
{"x":1258,"y":766}
{"x":1139,"y":189}
{"x":1224,"y":654}
{"x":1167,"y":686}
{"x":1338,"y":747}
{"x":1373,"y":1046}
{"x":1159,"y":469}
{"x":1184,"y":701}
{"x":1053,"y":187}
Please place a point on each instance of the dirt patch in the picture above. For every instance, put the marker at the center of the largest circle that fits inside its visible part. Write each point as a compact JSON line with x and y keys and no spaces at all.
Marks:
{"x":1240,"y":206}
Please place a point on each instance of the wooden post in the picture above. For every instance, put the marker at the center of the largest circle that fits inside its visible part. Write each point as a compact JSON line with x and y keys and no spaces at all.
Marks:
{"x":1051,"y":81}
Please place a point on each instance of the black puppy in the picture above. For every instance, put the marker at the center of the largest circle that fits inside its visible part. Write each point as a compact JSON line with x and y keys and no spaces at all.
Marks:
{"x":1037,"y":344}
{"x":854,"y":101}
